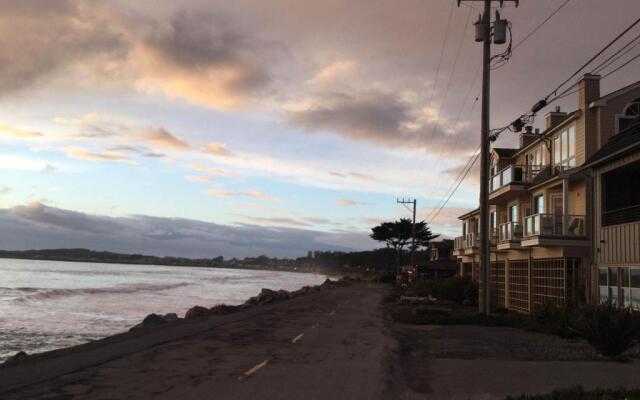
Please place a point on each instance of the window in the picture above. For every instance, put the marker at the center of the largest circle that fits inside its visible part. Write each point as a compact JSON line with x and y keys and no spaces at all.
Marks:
{"x":619,"y":286}
{"x":494,"y":222}
{"x":630,"y":115}
{"x":621,"y":195}
{"x":538,"y":205}
{"x":513,"y":213}
{"x":564,"y":148}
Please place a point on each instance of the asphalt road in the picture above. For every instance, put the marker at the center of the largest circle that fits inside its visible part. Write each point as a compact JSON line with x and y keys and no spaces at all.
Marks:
{"x":331,"y":344}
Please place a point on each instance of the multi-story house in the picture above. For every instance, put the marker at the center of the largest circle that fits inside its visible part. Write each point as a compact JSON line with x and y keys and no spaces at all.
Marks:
{"x":540,"y":200}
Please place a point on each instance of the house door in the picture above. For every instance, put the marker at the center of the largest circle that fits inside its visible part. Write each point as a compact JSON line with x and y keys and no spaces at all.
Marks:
{"x":557,"y":205}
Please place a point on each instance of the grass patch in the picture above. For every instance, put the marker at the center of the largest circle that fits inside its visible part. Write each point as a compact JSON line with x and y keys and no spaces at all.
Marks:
{"x":578,"y":393}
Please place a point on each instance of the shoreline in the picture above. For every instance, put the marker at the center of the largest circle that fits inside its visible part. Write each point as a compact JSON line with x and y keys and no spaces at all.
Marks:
{"x":264,"y":297}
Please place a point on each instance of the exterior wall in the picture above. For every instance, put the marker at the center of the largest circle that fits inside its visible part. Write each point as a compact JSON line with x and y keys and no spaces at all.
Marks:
{"x":615,"y":245}
{"x":607,"y":126}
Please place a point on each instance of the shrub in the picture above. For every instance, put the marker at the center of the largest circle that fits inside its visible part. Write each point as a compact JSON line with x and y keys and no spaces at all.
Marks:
{"x":578,"y":393}
{"x":611,"y":330}
{"x":458,"y":290}
{"x":553,"y":320}
{"x":388,"y":277}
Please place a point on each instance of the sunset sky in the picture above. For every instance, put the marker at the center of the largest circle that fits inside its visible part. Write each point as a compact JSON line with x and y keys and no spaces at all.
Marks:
{"x":249,"y":127}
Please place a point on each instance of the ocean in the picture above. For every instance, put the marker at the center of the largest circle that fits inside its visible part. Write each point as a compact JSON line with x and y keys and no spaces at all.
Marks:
{"x":45,"y":305}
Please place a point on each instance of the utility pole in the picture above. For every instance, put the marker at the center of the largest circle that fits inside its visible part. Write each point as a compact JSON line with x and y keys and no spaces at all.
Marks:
{"x":413,"y":225}
{"x":484,"y":33}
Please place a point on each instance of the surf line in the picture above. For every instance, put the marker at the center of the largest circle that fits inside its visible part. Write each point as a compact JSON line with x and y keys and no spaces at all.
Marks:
{"x":295,"y":339}
{"x":253,"y":370}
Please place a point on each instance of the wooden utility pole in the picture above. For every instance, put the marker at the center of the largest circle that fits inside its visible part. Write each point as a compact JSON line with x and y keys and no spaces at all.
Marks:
{"x":413,"y":226}
{"x":484,"y":35}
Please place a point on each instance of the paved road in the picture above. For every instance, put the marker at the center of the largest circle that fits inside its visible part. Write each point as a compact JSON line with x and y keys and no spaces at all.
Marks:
{"x":325,"y":345}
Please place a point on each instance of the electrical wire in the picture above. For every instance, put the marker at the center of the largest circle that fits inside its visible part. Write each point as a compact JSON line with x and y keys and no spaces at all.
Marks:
{"x":555,"y":91}
{"x":540,"y":25}
{"x":621,"y":66}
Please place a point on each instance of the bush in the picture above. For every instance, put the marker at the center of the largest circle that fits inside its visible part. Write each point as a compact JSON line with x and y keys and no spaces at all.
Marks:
{"x":458,"y":290}
{"x":388,"y":277}
{"x":611,"y":330}
{"x":578,"y":393}
{"x":553,"y":320}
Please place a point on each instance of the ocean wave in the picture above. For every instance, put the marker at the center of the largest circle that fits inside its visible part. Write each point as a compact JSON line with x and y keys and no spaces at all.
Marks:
{"x":38,"y":294}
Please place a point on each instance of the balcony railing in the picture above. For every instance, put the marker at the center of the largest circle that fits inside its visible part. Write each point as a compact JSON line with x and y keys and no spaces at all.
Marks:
{"x":514,"y":174}
{"x":467,"y":241}
{"x":554,"y":225}
{"x":511,"y":231}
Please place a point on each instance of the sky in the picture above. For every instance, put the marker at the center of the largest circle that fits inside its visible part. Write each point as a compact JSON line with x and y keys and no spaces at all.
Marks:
{"x":205,"y":128}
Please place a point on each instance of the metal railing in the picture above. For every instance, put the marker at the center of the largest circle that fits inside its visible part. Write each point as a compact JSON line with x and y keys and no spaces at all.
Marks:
{"x":554,"y":225}
{"x":510,"y":231}
{"x":467,"y":241}
{"x":514,"y":174}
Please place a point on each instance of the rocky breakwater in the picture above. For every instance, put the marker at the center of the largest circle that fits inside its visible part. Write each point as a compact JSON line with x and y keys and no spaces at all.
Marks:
{"x":266,"y":296}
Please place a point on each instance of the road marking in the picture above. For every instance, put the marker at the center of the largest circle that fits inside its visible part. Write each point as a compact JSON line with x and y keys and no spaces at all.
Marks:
{"x":253,"y":370}
{"x":295,"y":339}
{"x":332,"y":312}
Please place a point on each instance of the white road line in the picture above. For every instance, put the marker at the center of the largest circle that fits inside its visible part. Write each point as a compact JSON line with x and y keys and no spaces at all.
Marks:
{"x":253,"y":370}
{"x":295,"y":339}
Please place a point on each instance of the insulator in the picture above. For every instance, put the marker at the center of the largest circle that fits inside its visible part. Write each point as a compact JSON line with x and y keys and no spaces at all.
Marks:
{"x":539,"y":106}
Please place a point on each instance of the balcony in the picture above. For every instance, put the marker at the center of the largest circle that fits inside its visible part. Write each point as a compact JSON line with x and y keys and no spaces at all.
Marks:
{"x":554,"y":230}
{"x":510,"y":235}
{"x":511,"y":181}
{"x":469,"y":244}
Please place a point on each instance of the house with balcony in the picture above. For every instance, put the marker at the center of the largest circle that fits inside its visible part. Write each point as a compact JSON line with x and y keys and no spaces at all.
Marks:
{"x":615,"y":170}
{"x":540,"y":200}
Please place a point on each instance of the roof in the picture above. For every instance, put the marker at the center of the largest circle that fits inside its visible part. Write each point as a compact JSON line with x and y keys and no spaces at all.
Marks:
{"x":602,"y":101}
{"x":619,"y":144}
{"x":469,"y":214}
{"x":505,"y":153}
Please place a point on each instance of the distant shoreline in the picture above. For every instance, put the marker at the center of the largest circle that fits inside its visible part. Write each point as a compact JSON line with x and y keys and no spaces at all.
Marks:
{"x":104,"y":257}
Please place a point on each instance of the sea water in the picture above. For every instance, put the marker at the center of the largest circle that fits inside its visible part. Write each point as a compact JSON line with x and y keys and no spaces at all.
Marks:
{"x":45,"y":305}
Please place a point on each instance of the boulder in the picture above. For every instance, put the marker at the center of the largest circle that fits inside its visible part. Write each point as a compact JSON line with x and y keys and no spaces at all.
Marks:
{"x":196,"y":312}
{"x":16,"y":357}
{"x":171,"y":317}
{"x":222,"y":309}
{"x":153,"y":319}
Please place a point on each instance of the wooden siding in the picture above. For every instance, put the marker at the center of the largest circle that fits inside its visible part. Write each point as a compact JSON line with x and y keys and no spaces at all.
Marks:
{"x":615,"y":244}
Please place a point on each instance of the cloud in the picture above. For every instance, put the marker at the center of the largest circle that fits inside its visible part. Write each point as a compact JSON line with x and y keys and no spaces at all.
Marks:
{"x":19,"y":133}
{"x":50,"y":169}
{"x":218,"y":149}
{"x":40,"y":226}
{"x":332,"y":72}
{"x":350,"y":203}
{"x":278,"y":221}
{"x":160,"y":137}
{"x":209,"y":170}
{"x":248,"y":193}
{"x":4,"y":189}
{"x":143,"y":151}
{"x":82,"y":153}
{"x":198,"y":178}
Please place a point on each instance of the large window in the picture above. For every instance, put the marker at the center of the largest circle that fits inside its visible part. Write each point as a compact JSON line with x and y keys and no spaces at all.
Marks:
{"x":620,"y":286}
{"x":513,"y":213}
{"x":564,"y":148}
{"x":621,"y":195}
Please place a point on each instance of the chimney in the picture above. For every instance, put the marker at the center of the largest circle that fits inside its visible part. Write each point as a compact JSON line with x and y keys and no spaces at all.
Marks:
{"x":554,"y":118}
{"x":527,"y":137}
{"x":589,"y":90}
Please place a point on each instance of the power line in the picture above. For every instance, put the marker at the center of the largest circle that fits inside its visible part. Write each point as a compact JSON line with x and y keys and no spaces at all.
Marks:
{"x":540,"y":25}
{"x":601,"y":66}
{"x":456,"y":188}
{"x":622,"y":66}
{"x":554,"y":91}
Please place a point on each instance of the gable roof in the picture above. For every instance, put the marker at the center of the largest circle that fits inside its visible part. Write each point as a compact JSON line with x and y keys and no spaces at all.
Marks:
{"x":622,"y":143}
{"x":602,"y":101}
